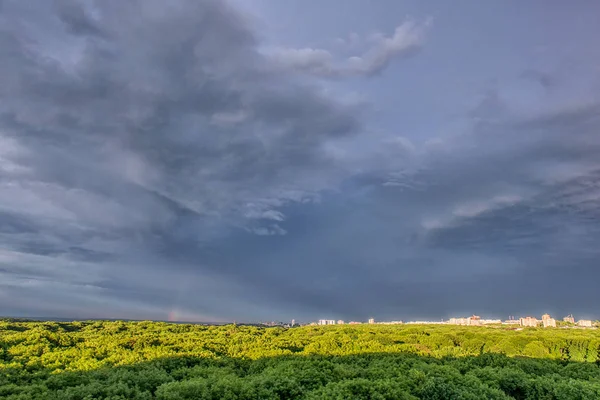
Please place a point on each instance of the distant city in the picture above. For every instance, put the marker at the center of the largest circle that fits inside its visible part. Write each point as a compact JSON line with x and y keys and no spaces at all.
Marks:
{"x":474,"y":320}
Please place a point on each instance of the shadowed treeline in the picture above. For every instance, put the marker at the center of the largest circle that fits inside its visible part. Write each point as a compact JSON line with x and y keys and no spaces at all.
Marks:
{"x":146,"y":360}
{"x":363,"y":376}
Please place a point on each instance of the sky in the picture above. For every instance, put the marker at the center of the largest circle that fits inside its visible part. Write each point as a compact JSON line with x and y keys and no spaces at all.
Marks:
{"x":256,"y":160}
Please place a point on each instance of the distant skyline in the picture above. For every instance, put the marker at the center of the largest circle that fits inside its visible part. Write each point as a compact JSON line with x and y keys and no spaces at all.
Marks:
{"x":277,"y":159}
{"x":293,"y":321}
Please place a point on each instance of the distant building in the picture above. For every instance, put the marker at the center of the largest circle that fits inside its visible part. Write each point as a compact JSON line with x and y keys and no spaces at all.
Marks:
{"x":512,"y":322}
{"x":293,"y":322}
{"x":426,"y":322}
{"x":473,"y":320}
{"x":354,"y":323}
{"x":548,"y":321}
{"x":340,"y":322}
{"x":569,"y":318}
{"x":490,"y":321}
{"x":585,"y":323}
{"x":458,"y":321}
{"x":529,"y":321}
{"x":326,"y":322}
{"x":371,"y":320}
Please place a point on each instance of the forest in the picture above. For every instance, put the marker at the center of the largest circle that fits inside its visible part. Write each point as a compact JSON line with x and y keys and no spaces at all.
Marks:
{"x":156,"y":360}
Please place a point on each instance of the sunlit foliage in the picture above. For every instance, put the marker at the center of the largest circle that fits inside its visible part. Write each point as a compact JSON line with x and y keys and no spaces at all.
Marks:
{"x":153,"y":360}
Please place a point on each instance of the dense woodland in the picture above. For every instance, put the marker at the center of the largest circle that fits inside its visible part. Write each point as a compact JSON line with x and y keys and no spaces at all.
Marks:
{"x":153,"y":360}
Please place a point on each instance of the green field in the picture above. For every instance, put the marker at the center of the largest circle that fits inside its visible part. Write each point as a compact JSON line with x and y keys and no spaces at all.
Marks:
{"x":153,"y":360}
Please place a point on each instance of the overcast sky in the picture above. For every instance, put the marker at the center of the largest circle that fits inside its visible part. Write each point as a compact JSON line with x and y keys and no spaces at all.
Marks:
{"x":275,"y":159}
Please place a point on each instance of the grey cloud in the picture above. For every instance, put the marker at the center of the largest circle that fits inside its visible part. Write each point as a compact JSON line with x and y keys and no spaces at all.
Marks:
{"x":544,"y":79}
{"x":147,"y":92}
{"x":268,"y":231}
{"x":110,"y":109}
{"x":76,"y":18}
{"x":156,"y":160}
{"x":505,"y":223}
{"x":406,"y":40}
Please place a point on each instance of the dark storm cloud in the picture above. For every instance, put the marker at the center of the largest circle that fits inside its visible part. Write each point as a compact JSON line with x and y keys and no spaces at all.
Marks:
{"x":137,"y":130}
{"x":510,"y":209}
{"x":76,"y":18}
{"x":544,"y":79}
{"x":155,"y":158}
{"x":153,"y":101}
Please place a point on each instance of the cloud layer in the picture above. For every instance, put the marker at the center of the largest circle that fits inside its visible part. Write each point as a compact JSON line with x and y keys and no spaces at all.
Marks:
{"x":155,"y":159}
{"x":406,"y":40}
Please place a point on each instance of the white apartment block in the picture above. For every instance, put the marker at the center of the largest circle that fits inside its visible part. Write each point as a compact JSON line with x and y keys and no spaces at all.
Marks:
{"x":326,"y":322}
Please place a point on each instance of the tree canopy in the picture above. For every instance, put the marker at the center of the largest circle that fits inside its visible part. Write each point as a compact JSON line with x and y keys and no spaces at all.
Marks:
{"x":155,"y":360}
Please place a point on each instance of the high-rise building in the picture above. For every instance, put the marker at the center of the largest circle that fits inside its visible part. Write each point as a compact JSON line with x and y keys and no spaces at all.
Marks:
{"x":585,"y":323}
{"x":474,"y":320}
{"x":548,"y":321}
{"x":569,"y":318}
{"x":458,"y":321}
{"x":327,"y":322}
{"x":490,"y":321}
{"x":371,"y":320}
{"x":529,"y":321}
